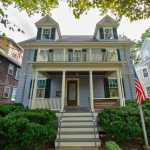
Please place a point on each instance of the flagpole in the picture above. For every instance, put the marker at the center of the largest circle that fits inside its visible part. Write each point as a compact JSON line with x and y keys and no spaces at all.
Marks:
{"x":143,"y":126}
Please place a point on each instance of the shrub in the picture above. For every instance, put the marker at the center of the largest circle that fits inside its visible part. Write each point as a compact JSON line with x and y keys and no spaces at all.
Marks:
{"x":112,"y":146}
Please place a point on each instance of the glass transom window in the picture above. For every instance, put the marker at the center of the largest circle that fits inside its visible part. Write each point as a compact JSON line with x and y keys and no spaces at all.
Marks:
{"x":113,"y":87}
{"x":108,"y":34}
{"x":145,"y":73}
{"x":40,"y":89}
{"x":46,"y":33}
{"x":145,"y":53}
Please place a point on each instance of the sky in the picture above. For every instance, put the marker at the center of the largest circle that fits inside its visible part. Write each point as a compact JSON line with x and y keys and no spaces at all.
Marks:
{"x":68,"y":24}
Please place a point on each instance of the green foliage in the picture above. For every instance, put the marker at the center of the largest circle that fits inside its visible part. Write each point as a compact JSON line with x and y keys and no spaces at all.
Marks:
{"x":124,"y":123}
{"x":112,"y":146}
{"x":25,"y":129}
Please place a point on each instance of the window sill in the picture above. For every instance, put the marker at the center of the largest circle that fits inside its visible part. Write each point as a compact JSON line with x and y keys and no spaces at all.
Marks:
{"x":5,"y":97}
{"x":17,"y":79}
{"x":146,"y":78}
{"x":10,"y":74}
{"x":12,"y":100}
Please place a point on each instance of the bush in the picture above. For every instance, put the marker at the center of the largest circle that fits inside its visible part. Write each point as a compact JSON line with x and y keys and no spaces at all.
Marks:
{"x":25,"y":129}
{"x":112,"y":146}
{"x":124,"y":123}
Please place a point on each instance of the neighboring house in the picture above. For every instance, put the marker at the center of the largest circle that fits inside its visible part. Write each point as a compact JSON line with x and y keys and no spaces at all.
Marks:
{"x":65,"y":72}
{"x":9,"y":76}
{"x":11,"y":48}
{"x":143,"y":67}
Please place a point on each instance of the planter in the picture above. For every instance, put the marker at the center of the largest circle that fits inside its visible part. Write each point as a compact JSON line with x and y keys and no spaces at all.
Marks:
{"x":146,"y":148}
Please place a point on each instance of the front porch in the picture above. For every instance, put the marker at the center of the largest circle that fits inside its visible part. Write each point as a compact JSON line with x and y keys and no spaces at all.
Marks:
{"x":87,"y":86}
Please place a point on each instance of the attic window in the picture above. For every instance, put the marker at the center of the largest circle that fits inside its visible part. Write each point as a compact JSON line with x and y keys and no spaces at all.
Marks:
{"x":46,"y":33}
{"x":108,"y":33}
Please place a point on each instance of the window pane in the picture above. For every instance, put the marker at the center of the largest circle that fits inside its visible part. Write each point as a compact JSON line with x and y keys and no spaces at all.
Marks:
{"x":145,"y":72}
{"x":40,"y":93}
{"x":145,"y":53}
{"x":6,"y":90}
{"x":114,"y":92}
{"x":14,"y":94}
{"x":148,"y":91}
{"x":17,"y":74}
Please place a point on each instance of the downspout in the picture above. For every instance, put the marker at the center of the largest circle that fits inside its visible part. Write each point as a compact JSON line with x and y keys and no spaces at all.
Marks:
{"x":25,"y":76}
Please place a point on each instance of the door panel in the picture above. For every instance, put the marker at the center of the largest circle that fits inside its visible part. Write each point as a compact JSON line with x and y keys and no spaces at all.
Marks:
{"x":72,"y":93}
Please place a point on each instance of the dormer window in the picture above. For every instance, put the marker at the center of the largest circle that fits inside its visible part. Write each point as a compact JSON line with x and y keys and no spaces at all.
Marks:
{"x":46,"y":33}
{"x":108,"y":33}
{"x":145,"y":53}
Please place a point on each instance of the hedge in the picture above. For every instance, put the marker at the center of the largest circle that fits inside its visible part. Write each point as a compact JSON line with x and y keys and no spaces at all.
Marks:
{"x":124,"y":123}
{"x":112,"y":146}
{"x":25,"y":129}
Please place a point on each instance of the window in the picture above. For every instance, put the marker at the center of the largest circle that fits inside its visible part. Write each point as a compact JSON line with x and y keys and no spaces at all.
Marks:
{"x":45,"y":54}
{"x":14,"y":53}
{"x":108,"y":33}
{"x":6,"y":92}
{"x":77,"y":55}
{"x":14,"y":94}
{"x":46,"y":33}
{"x":145,"y":73}
{"x":145,"y":54}
{"x":10,"y":69}
{"x":17,"y":74}
{"x":113,"y":87}
{"x":110,"y":53}
{"x":148,"y":91}
{"x":40,"y":89}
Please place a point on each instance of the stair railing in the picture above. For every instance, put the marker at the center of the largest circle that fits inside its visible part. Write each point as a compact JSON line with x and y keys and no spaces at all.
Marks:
{"x":93,"y":122}
{"x":60,"y":123}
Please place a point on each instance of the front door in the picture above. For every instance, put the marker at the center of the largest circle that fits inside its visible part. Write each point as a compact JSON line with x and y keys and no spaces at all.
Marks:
{"x":72,"y":93}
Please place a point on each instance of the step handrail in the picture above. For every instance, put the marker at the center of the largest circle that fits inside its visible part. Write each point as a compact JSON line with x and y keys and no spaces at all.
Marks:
{"x":60,"y":123}
{"x":93,"y":121}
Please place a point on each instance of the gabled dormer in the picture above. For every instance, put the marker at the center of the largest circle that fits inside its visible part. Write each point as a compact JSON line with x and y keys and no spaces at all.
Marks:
{"x":48,"y":29}
{"x":106,"y":29}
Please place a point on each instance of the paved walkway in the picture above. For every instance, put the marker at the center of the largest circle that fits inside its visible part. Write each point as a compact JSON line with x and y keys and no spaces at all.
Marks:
{"x":77,"y":148}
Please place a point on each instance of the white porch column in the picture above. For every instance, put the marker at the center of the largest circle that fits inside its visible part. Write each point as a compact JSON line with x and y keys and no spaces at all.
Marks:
{"x":35,"y":89}
{"x":119,"y":87}
{"x":90,"y":54}
{"x":31,"y":90}
{"x":91,"y":90}
{"x":63,"y":90}
{"x":64,"y":54}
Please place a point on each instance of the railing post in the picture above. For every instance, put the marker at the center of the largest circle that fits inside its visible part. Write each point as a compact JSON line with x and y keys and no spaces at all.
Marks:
{"x":35,"y":89}
{"x":64,"y":54}
{"x":119,"y":87}
{"x":90,"y":54}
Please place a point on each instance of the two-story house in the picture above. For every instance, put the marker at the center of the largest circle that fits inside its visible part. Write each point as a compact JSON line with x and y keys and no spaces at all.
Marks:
{"x":78,"y":75}
{"x":143,"y":67}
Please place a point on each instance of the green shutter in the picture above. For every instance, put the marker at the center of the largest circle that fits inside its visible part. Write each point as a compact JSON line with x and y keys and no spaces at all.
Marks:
{"x":84,"y":55}
{"x":70,"y":55}
{"x":115,"y":33}
{"x":53,"y":33}
{"x":118,"y":52}
{"x":30,"y":90}
{"x":124,"y":88}
{"x":101,"y":33}
{"x":47,"y":88}
{"x":50,"y":55}
{"x":103,"y":56}
{"x":35,"y":54}
{"x":39,"y":33}
{"x":106,"y":88}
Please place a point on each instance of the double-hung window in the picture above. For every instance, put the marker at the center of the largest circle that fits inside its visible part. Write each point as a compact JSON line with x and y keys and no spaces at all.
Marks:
{"x":110,"y":53}
{"x":17,"y":74}
{"x":148,"y":91}
{"x":145,"y":73}
{"x":113,"y":87}
{"x":10,"y":69}
{"x":45,"y":54}
{"x":14,"y":94}
{"x":46,"y":33}
{"x":77,"y":55}
{"x":145,"y":54}
{"x":108,"y":33}
{"x":40,"y":89}
{"x":6,"y":92}
{"x":14,"y":53}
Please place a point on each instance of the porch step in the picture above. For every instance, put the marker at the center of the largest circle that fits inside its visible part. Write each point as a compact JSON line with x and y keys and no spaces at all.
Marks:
{"x":78,"y":142}
{"x":77,"y":122}
{"x":77,"y":118}
{"x":78,"y":134}
{"x":78,"y":128}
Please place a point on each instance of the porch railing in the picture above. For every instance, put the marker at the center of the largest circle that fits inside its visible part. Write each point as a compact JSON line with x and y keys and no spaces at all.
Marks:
{"x":49,"y":103}
{"x":77,"y":56}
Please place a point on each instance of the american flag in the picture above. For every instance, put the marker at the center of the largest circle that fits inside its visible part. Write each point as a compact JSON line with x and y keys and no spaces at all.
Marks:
{"x":140,"y":95}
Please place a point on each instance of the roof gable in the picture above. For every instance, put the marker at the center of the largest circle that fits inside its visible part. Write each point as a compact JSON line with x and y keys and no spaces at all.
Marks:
{"x":145,"y":43}
{"x":47,"y":22}
{"x":107,"y":22}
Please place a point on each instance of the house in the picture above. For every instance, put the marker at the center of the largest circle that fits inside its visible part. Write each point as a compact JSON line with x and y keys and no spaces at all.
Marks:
{"x":76,"y":76}
{"x":11,"y":48}
{"x":143,"y":67}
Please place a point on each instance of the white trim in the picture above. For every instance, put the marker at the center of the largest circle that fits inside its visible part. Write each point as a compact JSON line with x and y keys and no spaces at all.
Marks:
{"x":16,"y":74}
{"x":12,"y":94}
{"x":12,"y":70}
{"x":146,"y":90}
{"x":8,"y":91}
{"x":143,"y":73}
{"x":71,"y":79}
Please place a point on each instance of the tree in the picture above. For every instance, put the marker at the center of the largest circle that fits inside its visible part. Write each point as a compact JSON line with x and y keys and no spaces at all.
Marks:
{"x":30,"y":6}
{"x":135,"y":50}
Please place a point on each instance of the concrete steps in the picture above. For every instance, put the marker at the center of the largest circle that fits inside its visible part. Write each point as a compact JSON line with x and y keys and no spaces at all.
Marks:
{"x":77,"y":129}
